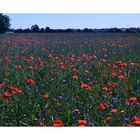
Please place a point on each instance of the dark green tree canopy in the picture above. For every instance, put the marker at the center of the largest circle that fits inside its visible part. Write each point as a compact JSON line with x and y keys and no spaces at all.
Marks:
{"x":4,"y":23}
{"x":35,"y":28}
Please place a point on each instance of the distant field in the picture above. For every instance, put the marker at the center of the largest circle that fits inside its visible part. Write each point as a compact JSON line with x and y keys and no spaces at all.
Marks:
{"x":70,"y":79}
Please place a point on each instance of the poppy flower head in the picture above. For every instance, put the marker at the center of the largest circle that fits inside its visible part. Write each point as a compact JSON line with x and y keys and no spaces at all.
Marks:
{"x":84,"y":85}
{"x":105,"y":89}
{"x":94,"y":56}
{"x":132,"y":99}
{"x":113,"y":110}
{"x":101,"y":107}
{"x":18,"y":66}
{"x":31,"y":58}
{"x":82,"y":122}
{"x":136,"y":123}
{"x":103,"y":60}
{"x":45,"y":96}
{"x":49,"y":55}
{"x":109,"y":92}
{"x":10,"y":87}
{"x":121,"y":77}
{"x":30,"y":67}
{"x":84,"y":56}
{"x":57,"y":123}
{"x":14,"y":90}
{"x":30,"y":82}
{"x":135,"y":118}
{"x":7,"y":95}
{"x":75,"y":77}
{"x":89,"y":88}
{"x":107,"y":120}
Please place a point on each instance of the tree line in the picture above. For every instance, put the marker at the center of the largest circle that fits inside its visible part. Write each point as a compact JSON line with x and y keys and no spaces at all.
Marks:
{"x":5,"y":27}
{"x":35,"y":29}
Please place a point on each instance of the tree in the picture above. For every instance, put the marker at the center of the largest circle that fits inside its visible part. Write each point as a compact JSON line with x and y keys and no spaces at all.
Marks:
{"x":27,"y":30}
{"x":42,"y":30}
{"x":47,"y":29}
{"x":4,"y":23}
{"x":35,"y":28}
{"x":19,"y":30}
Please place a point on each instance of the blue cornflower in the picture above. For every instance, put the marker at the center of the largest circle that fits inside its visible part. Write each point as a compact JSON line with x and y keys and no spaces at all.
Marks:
{"x":125,"y":119}
{"x":115,"y":99}
{"x":60,"y":97}
{"x":64,"y":81}
{"x":90,"y":124}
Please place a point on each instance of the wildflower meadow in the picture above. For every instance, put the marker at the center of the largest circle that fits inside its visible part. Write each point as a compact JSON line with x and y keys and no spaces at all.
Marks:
{"x":70,"y":79}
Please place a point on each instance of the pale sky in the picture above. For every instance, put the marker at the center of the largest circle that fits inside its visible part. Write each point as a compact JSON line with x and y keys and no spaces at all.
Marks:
{"x":63,"y":21}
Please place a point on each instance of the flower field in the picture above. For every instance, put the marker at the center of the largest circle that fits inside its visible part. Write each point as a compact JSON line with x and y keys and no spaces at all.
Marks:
{"x":70,"y":79}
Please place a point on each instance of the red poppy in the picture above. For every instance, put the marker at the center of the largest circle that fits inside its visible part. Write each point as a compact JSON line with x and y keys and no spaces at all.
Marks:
{"x":30,"y":81}
{"x":101,"y":107}
{"x":132,"y":99}
{"x":123,"y":65}
{"x":113,"y":85}
{"x":121,"y":77}
{"x":30,"y":67}
{"x":75,"y":77}
{"x":7,"y":95}
{"x":84,"y":85}
{"x":113,"y":111}
{"x":14,"y":90}
{"x":109,"y":84}
{"x":135,"y":118}
{"x":78,"y":111}
{"x":18,"y":66}
{"x":45,"y":96}
{"x":89,"y":88}
{"x":10,"y":87}
{"x":31,"y":58}
{"x":104,"y":49}
{"x":109,"y":92}
{"x":107,"y":120}
{"x":2,"y":85}
{"x":82,"y":122}
{"x":84,"y":56}
{"x":19,"y":91}
{"x":105,"y":89}
{"x":136,"y":123}
{"x":118,"y":62}
{"x":94,"y":56}
{"x":50,"y":55}
{"x":43,"y":49}
{"x":114,"y":73}
{"x":104,"y":60}
{"x":114,"y":66}
{"x":57,"y":123}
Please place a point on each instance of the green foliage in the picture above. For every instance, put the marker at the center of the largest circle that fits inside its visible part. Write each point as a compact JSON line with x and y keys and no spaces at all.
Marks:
{"x":4,"y":23}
